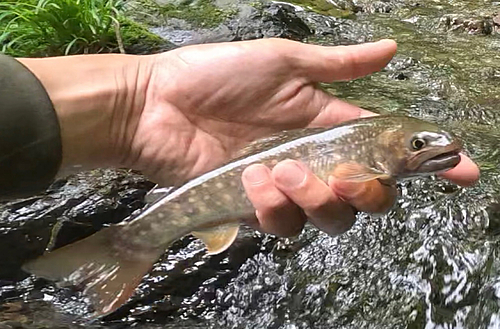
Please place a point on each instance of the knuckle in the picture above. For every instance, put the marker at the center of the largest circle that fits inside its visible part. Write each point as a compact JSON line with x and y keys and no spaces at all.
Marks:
{"x":347,"y":60}
{"x":320,"y":202}
{"x":275,"y":202}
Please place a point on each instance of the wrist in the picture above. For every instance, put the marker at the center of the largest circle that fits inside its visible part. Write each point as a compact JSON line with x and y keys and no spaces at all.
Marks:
{"x":98,"y":100}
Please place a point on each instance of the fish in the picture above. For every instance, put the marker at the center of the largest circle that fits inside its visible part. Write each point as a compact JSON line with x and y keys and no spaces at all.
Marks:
{"x":110,"y":264}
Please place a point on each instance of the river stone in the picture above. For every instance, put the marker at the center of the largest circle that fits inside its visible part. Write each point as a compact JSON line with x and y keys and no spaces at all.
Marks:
{"x":70,"y":209}
{"x":473,"y":25}
{"x":271,"y":20}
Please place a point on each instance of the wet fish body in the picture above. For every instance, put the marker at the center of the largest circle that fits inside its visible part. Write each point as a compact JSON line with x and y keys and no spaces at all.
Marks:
{"x":211,"y":206}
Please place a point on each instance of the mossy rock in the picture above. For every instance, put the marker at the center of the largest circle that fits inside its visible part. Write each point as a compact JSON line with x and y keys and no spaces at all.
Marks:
{"x":137,"y":39}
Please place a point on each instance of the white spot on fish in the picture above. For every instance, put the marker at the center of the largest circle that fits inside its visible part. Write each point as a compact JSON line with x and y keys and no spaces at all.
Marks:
{"x":219,"y":185}
{"x":191,"y":200}
{"x":161,"y":215}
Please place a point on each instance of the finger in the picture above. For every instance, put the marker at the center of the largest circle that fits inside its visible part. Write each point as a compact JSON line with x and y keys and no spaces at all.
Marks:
{"x":275,"y":213}
{"x":327,"y":64}
{"x":334,"y":111}
{"x":323,"y":208}
{"x":371,"y":196}
{"x":466,"y":173}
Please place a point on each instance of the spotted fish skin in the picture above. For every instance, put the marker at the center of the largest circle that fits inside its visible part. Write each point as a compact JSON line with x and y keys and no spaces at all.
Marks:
{"x":383,"y":147}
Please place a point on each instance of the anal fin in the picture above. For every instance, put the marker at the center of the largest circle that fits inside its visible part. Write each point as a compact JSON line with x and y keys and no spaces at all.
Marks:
{"x":217,"y":239}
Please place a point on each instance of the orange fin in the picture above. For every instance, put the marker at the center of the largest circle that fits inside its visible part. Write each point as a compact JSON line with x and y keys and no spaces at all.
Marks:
{"x":217,"y":239}
{"x":107,"y":276}
{"x":354,"y":172}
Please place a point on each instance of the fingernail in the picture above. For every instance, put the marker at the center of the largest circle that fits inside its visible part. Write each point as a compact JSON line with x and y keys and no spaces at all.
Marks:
{"x":256,"y":174}
{"x":367,"y":114}
{"x":290,"y":174}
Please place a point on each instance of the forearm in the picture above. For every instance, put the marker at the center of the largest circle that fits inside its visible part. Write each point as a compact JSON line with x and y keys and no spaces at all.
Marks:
{"x":66,"y":112}
{"x":96,"y":99}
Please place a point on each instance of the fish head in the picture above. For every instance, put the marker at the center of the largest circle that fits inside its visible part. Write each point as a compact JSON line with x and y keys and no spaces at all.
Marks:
{"x":417,"y":148}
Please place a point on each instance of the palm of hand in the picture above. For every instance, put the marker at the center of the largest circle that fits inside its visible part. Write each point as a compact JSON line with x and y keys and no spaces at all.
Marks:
{"x":205,"y":102}
{"x":224,"y":96}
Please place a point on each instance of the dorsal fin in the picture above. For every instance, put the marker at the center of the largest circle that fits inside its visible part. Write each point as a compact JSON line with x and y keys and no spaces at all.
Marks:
{"x":217,"y":239}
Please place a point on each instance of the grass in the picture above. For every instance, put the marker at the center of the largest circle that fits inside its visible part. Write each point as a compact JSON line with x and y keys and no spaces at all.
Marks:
{"x":63,"y":27}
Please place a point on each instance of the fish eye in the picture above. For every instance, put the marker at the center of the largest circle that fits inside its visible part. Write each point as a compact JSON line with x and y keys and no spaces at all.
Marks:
{"x":418,"y":143}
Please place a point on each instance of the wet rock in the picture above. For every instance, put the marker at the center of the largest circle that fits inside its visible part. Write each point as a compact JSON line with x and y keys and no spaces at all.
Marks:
{"x":266,"y":20}
{"x":471,"y":25}
{"x":275,"y":20}
{"x":70,"y":209}
{"x":369,"y":6}
{"x":496,"y":20}
{"x":337,"y":31}
{"x":271,"y":20}
{"x":401,"y":68}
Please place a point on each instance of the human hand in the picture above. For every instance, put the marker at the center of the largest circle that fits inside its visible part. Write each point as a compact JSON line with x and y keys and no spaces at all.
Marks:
{"x":179,"y":114}
{"x":206,"y":102}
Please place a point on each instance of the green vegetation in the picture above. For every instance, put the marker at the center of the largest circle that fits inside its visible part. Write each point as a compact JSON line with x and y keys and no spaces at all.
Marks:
{"x":200,"y":13}
{"x":62,"y":27}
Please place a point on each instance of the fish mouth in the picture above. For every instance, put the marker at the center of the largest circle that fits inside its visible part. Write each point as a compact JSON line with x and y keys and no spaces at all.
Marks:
{"x":439,"y":163}
{"x":436,"y":159}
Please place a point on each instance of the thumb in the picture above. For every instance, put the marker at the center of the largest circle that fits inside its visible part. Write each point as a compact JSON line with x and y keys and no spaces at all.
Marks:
{"x":327,"y":64}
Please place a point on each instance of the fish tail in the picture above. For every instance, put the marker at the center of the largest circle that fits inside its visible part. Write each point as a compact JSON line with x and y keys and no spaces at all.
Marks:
{"x":107,"y":276}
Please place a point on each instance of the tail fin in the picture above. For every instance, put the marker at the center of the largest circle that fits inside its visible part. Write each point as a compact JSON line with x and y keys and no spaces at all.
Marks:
{"x":108,"y":277}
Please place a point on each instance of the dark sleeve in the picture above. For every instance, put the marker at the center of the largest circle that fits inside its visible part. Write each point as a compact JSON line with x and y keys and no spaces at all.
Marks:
{"x":30,"y":138}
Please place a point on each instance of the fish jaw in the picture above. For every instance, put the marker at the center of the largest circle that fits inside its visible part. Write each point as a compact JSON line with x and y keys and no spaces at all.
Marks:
{"x":436,"y":160}
{"x":439,"y":163}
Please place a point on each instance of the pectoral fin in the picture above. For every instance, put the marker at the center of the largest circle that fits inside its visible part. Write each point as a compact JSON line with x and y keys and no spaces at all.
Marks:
{"x":217,"y":239}
{"x":355,"y":172}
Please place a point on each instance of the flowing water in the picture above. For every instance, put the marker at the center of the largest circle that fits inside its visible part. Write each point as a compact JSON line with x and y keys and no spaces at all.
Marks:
{"x":432,"y":262}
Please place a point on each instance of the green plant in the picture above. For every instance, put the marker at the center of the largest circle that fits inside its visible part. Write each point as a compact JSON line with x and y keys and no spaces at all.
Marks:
{"x":200,"y":13}
{"x":57,"y":27}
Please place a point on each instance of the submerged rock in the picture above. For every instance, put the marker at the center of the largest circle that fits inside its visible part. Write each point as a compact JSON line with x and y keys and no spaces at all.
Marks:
{"x":472,"y":25}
